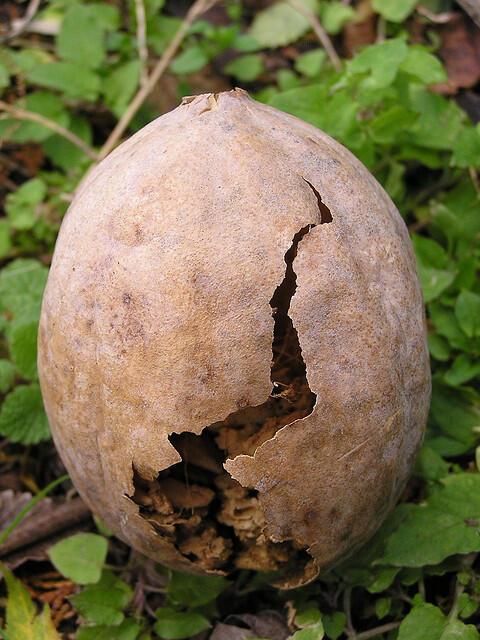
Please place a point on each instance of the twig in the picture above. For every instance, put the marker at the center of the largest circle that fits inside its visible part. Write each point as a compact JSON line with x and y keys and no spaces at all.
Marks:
{"x":22,"y":114}
{"x":320,"y":32}
{"x":199,"y":7}
{"x":472,"y":7}
{"x":22,"y":24}
{"x":142,"y":40}
{"x":45,"y":524}
{"x":347,"y":608}
{"x":373,"y":633}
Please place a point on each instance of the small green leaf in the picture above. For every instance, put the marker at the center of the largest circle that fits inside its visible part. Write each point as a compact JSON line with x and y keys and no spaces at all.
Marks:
{"x":394,"y":10}
{"x":4,"y":76}
{"x":120,"y":86}
{"x":194,"y":591}
{"x":21,"y":288}
{"x":127,"y":630}
{"x":430,"y":465}
{"x":334,"y":15}
{"x":423,"y":65}
{"x":7,"y":375}
{"x":310,"y":63}
{"x":467,"y":310}
{"x":176,"y":625}
{"x":447,"y":524}
{"x":22,"y":417}
{"x":22,"y":342}
{"x":381,"y":61}
{"x":22,"y":205}
{"x":245,"y":68}
{"x":382,"y":607}
{"x":312,"y":632}
{"x":80,"y":557}
{"x":334,"y":624}
{"x":466,"y":148}
{"x":81,"y":37}
{"x":5,"y":238}
{"x":75,"y":80}
{"x":463,"y":369}
{"x":280,"y":24}
{"x":103,"y":603}
{"x":45,"y":104}
{"x":190,"y":60}
{"x":427,"y":621}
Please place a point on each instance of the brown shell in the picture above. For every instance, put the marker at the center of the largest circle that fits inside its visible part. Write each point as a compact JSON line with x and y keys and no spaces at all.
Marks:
{"x":157,"y":320}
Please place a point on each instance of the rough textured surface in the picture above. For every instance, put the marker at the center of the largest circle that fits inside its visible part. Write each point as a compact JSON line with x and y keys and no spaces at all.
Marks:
{"x":157,"y":321}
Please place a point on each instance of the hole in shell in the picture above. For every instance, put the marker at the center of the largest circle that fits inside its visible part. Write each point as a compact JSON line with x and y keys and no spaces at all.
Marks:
{"x":208,"y":516}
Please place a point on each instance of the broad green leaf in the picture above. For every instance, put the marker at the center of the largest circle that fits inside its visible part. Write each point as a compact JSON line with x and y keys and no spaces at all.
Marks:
{"x":280,"y":24}
{"x":120,"y":86}
{"x":463,"y":369}
{"x":380,"y":61}
{"x":176,"y":625}
{"x":383,"y":607}
{"x":427,"y":621}
{"x":22,"y":205}
{"x":81,"y":37}
{"x":423,"y":65}
{"x":310,"y":63}
{"x":334,"y":15}
{"x":430,"y":465}
{"x":448,"y":523}
{"x":245,"y":68}
{"x":106,"y":15}
{"x":74,"y":80}
{"x":23,"y":623}
{"x":190,"y":60}
{"x":22,"y":343}
{"x":394,"y":10}
{"x":5,"y":238}
{"x":7,"y":375}
{"x":128,"y":630}
{"x":80,"y":557}
{"x":312,"y":632}
{"x":161,"y":30}
{"x":440,"y":121}
{"x":467,"y":310}
{"x":103,"y":602}
{"x":22,"y":417}
{"x":63,"y":153}
{"x":334,"y":624}
{"x":194,"y":591}
{"x":455,"y":417}
{"x":466,"y":149}
{"x":438,"y":347}
{"x":21,"y":288}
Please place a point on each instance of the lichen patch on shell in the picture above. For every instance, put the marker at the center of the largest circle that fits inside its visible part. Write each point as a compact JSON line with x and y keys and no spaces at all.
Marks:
{"x":232,"y":345}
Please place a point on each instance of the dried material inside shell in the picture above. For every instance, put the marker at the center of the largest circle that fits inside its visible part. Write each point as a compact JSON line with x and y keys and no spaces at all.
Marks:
{"x":232,"y":346}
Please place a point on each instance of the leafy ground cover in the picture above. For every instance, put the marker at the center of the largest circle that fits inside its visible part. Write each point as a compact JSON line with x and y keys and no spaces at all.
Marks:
{"x":398,"y":87}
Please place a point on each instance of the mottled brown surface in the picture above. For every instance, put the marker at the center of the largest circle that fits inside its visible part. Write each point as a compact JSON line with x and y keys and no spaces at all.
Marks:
{"x":156,"y":320}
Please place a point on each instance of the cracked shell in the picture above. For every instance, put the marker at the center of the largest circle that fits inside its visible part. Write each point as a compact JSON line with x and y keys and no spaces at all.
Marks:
{"x":160,"y":318}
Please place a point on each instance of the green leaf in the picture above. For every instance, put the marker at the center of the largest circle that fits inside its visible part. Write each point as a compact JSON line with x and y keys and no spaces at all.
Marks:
{"x":22,"y":417}
{"x":176,"y":625}
{"x":455,"y":417}
{"x":312,"y":632}
{"x":63,"y":153}
{"x":466,"y":148}
{"x":103,"y":603}
{"x":5,"y":238}
{"x":245,"y":68}
{"x":21,"y":289}
{"x":7,"y":375}
{"x":22,"y":342}
{"x":394,"y":10}
{"x":427,"y":621}
{"x":462,"y":370}
{"x":440,"y":121}
{"x":467,"y":311}
{"x":310,"y":63}
{"x":447,"y":524}
{"x":382,"y":607}
{"x":74,"y":80}
{"x":22,"y":205}
{"x":23,"y":623}
{"x":280,"y":24}
{"x":432,"y":263}
{"x":190,"y":60}
{"x":194,"y":591}
{"x":120,"y":86}
{"x":161,"y":30}
{"x":334,"y":15}
{"x":423,"y":65}
{"x":381,"y":61}
{"x":127,"y":630}
{"x":80,"y":557}
{"x":81,"y":37}
{"x":334,"y":624}
{"x":4,"y":76}
{"x":430,"y":465}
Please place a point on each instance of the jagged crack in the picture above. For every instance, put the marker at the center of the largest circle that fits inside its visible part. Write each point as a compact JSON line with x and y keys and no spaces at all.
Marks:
{"x":211,"y":518}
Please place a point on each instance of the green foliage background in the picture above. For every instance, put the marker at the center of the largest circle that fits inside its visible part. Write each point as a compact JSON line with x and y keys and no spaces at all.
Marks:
{"x":419,"y":577}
